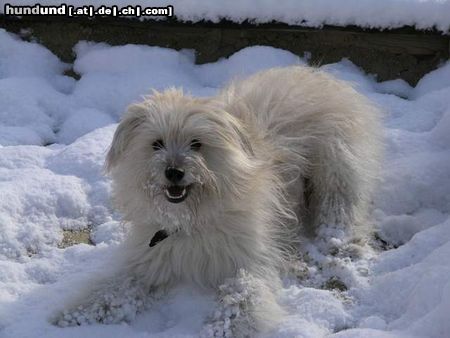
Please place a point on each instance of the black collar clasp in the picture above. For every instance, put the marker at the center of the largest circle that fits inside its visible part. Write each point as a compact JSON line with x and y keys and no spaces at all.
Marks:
{"x":158,"y":237}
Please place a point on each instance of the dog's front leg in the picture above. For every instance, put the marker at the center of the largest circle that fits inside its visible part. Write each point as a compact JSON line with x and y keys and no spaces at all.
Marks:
{"x":246,"y":306}
{"x":110,"y":301}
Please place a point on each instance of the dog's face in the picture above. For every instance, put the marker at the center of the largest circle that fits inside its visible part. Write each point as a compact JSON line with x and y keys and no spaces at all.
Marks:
{"x":181,"y":155}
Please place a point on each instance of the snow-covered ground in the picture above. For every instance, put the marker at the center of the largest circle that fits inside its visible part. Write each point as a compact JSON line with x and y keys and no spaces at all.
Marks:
{"x":423,"y":14}
{"x":54,"y":132}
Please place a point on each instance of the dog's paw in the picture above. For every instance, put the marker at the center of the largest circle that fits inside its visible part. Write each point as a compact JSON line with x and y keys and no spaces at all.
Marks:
{"x":218,"y":329}
{"x":104,"y":306}
{"x":227,"y":323}
{"x":68,"y":318}
{"x":337,"y":241}
{"x":238,"y":298}
{"x":106,"y":311}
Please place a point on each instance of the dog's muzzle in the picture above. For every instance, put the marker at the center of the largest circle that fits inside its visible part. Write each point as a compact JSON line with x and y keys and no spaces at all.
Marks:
{"x":177,"y":193}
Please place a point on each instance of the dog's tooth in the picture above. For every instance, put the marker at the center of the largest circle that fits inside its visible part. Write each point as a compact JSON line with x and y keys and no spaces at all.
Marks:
{"x":183,"y":193}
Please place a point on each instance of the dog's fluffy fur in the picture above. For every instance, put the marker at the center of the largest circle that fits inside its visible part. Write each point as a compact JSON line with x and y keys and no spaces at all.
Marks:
{"x":284,"y":153}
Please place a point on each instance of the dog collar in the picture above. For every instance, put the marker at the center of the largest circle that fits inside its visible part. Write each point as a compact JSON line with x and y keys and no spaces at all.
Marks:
{"x":158,"y":237}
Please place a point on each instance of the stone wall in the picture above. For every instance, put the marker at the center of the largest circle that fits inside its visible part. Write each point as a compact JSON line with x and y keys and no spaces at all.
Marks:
{"x":400,"y":53}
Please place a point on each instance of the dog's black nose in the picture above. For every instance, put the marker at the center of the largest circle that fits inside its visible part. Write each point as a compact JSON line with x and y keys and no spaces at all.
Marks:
{"x":174,"y":175}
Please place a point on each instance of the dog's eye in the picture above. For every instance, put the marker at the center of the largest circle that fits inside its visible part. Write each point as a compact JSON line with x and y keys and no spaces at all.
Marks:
{"x":195,"y":144}
{"x":158,"y":145}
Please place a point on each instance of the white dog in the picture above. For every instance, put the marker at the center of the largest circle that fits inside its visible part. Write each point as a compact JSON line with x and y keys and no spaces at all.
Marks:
{"x":219,"y":188}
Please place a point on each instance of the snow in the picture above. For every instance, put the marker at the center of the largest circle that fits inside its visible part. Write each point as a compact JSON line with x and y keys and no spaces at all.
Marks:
{"x":434,"y":81}
{"x":54,"y":132}
{"x":423,"y":14}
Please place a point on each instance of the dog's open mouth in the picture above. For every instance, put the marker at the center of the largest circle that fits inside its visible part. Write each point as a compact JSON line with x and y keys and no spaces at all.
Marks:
{"x":177,"y":193}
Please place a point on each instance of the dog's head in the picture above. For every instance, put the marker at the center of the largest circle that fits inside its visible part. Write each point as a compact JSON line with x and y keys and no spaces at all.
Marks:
{"x":179,"y":156}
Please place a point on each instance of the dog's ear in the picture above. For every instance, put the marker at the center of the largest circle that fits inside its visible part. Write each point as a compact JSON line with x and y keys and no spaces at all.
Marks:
{"x":238,"y":129}
{"x":243,"y":137}
{"x":124,"y":133}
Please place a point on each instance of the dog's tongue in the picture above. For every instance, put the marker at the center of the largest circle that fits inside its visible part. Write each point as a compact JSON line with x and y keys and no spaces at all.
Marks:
{"x":176,"y":190}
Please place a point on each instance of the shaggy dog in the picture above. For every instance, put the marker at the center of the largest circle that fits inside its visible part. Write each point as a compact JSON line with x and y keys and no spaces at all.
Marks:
{"x":218,"y":190}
